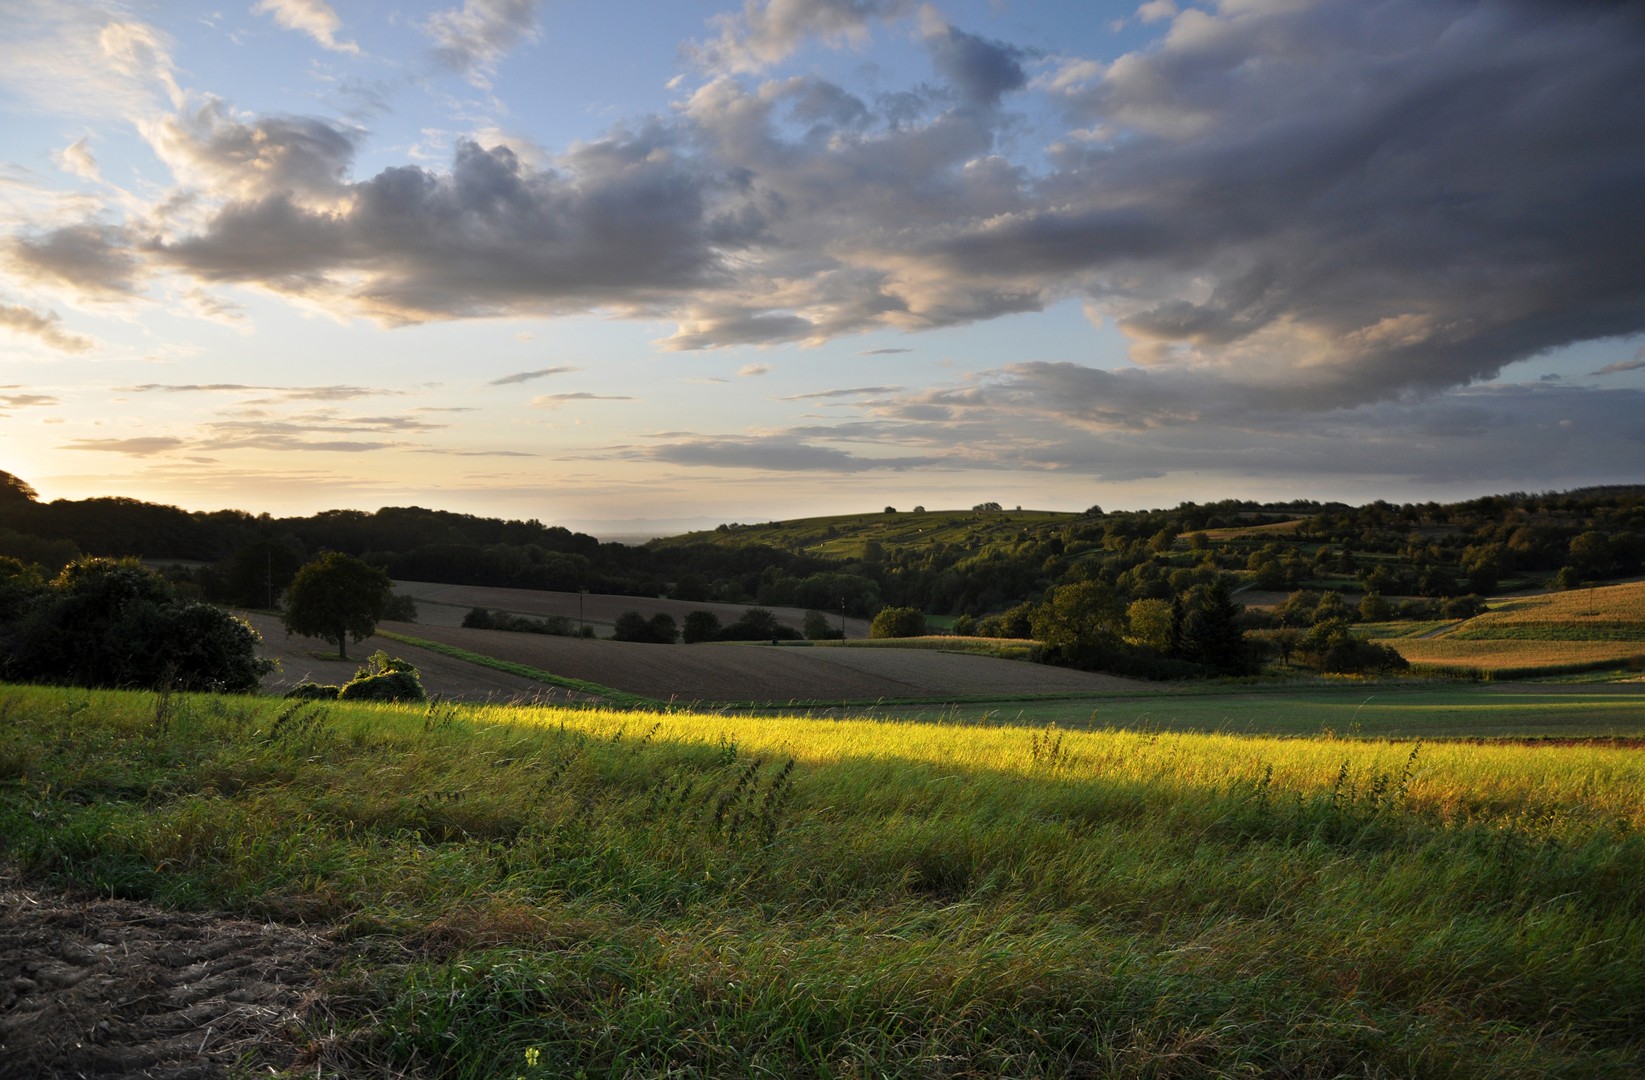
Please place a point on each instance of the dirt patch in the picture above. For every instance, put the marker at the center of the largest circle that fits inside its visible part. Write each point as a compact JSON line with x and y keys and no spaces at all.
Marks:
{"x":104,"y":988}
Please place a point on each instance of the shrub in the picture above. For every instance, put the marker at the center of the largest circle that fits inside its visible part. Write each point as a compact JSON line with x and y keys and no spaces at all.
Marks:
{"x":758,"y":624}
{"x":105,"y":622}
{"x":897,"y":622}
{"x":817,"y":628}
{"x":701,"y":626}
{"x":312,"y":691}
{"x":400,"y":608}
{"x":659,"y":629}
{"x":384,"y":678}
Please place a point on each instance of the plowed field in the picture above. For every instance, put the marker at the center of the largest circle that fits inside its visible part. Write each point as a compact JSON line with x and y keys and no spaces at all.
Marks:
{"x":709,"y":673}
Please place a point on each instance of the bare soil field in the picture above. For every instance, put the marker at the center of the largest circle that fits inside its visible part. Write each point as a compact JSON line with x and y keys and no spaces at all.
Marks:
{"x":304,"y":659}
{"x":111,"y":988}
{"x":680,"y":673}
{"x":445,"y":605}
{"x":713,"y":673}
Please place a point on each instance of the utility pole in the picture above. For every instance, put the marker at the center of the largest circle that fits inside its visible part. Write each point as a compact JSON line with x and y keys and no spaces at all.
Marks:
{"x":842,"y":618}
{"x":581,"y":592}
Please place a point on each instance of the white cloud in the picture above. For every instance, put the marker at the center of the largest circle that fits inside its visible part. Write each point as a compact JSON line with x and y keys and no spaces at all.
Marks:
{"x":312,"y":17}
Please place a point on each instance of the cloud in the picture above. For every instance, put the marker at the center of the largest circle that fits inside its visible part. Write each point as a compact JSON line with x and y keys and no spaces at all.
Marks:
{"x":883,"y":352}
{"x":622,"y":221}
{"x":768,"y":31}
{"x":527,"y":376}
{"x":280,"y":393}
{"x":244,"y":159}
{"x":554,"y":401}
{"x":312,"y":17}
{"x":980,"y":71}
{"x":92,"y":260}
{"x":854,"y":391}
{"x":1313,"y":206}
{"x":48,"y":327}
{"x":776,"y":453}
{"x":750,"y":370}
{"x":24,"y":401}
{"x":143,"y":446}
{"x":1620,"y":366}
{"x":76,"y":159}
{"x":473,"y":39}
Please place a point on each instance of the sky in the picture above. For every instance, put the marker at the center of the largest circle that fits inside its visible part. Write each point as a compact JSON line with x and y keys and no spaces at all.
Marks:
{"x":636,"y":267}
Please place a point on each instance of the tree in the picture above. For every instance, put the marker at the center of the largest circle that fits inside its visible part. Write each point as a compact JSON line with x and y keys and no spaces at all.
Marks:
{"x":701,"y":625}
{"x":1210,"y":632}
{"x":659,"y":629}
{"x":897,"y":622}
{"x":817,"y":628}
{"x":1085,"y":615}
{"x":336,"y":597}
{"x":103,"y":622}
{"x":1149,"y":620}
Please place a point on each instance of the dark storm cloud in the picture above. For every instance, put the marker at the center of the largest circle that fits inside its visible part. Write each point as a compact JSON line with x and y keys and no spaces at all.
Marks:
{"x":980,"y":71}
{"x":491,"y":237}
{"x":1306,"y":205}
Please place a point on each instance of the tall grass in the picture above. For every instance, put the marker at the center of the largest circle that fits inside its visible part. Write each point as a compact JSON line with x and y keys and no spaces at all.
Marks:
{"x":656,"y":893}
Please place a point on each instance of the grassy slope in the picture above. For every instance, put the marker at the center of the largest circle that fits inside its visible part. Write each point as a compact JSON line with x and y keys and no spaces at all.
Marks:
{"x":634,"y":894}
{"x":961,"y":528}
{"x":1582,"y":627}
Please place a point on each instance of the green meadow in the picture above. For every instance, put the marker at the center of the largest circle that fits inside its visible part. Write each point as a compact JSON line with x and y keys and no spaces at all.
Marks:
{"x":552,"y":892}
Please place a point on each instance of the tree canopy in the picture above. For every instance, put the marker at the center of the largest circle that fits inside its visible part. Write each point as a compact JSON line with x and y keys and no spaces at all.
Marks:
{"x":336,"y":597}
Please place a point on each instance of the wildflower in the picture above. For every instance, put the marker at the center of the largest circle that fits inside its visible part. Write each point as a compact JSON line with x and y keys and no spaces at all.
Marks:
{"x":532,"y":1056}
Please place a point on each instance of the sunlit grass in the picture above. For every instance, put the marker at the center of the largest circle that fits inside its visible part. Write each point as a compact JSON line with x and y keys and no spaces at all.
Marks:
{"x":657,"y":892}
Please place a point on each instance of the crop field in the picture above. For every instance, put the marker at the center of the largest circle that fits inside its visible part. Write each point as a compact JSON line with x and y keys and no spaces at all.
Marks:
{"x":549,"y":892}
{"x":721,"y":672}
{"x":1580,"y":628}
{"x":1497,"y":654}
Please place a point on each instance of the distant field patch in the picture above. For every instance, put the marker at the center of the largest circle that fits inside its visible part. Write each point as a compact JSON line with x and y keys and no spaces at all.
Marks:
{"x":1493,"y":655}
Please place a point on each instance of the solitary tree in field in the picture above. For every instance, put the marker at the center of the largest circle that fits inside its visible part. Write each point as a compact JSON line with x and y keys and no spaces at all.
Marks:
{"x":336,"y":597}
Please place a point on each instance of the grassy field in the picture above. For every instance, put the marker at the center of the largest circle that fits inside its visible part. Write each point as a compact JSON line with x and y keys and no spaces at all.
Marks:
{"x":555,"y":892}
{"x":1370,"y":711}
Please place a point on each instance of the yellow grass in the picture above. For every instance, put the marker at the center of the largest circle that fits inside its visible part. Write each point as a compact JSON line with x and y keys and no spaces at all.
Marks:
{"x":1492,"y":655}
{"x":1598,"y":606}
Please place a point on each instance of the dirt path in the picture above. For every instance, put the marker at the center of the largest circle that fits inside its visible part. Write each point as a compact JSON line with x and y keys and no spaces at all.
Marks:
{"x":107,"y":988}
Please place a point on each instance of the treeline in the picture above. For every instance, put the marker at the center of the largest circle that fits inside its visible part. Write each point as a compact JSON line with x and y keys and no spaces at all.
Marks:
{"x":990,"y":562}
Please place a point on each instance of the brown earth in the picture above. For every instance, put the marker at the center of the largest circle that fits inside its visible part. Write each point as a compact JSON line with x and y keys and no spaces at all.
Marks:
{"x":706,"y":673}
{"x":112,"y":988}
{"x":445,"y":605}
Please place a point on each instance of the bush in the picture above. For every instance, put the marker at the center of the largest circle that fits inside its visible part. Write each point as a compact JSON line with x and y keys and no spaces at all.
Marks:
{"x":1330,"y":648}
{"x":104,"y":622}
{"x":311,"y":691}
{"x":384,"y":678}
{"x":484,"y":619}
{"x":400,"y":608}
{"x":659,"y":629}
{"x":701,"y":626}
{"x":898,"y":622}
{"x":758,"y":624}
{"x":817,"y":628}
